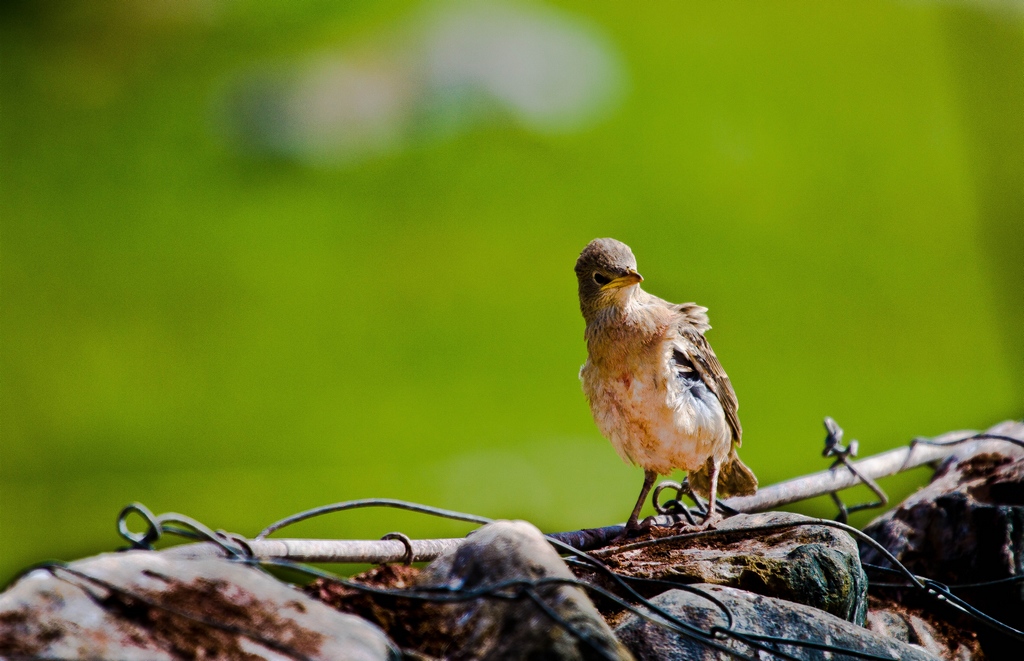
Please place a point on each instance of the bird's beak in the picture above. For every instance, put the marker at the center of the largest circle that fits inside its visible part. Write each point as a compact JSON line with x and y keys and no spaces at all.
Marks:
{"x":631,"y":278}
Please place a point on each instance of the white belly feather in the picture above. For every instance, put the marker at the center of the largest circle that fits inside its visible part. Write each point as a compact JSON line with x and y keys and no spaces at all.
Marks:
{"x":652,"y":420}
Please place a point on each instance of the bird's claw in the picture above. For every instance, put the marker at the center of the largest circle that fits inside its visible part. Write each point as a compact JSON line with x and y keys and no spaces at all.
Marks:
{"x":634,"y":529}
{"x":710,"y":522}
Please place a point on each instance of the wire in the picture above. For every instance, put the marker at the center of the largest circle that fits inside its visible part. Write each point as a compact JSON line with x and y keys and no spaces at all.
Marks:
{"x":370,"y":502}
{"x":624,"y":595}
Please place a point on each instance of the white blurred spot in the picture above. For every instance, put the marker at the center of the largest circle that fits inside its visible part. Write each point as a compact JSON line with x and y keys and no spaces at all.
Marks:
{"x":547,"y":69}
{"x":450,"y":68}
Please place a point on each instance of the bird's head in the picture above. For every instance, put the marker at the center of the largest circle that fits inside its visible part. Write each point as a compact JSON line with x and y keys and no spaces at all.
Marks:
{"x":606,"y":272}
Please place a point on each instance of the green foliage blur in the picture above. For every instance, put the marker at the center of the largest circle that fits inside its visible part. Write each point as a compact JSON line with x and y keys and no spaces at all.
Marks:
{"x":238,"y":334}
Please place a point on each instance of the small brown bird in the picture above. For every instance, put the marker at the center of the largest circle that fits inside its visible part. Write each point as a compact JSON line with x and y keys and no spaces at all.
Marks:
{"x":655,"y":387}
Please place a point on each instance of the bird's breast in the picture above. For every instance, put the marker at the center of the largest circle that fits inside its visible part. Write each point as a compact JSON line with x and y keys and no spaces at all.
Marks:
{"x":649,"y":418}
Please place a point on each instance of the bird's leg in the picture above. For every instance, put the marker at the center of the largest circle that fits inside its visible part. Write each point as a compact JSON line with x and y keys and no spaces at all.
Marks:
{"x":712,"y":516}
{"x":649,"y":477}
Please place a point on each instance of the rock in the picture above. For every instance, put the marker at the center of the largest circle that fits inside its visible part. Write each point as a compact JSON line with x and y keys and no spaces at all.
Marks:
{"x":502,"y":628}
{"x":414,"y":625}
{"x":753,"y":614}
{"x":813,"y":565}
{"x":920,"y":628}
{"x":966,"y":526}
{"x":145,"y":605}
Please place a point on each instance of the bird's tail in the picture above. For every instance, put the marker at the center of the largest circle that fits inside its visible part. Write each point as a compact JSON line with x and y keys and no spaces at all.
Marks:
{"x":734,"y":478}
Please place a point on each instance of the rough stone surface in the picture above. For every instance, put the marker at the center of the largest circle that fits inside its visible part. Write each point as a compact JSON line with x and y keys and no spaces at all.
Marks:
{"x":966,"y":526}
{"x":918,"y":627}
{"x":490,"y":628}
{"x":813,"y":565}
{"x":414,"y":625}
{"x":753,"y":614}
{"x":144,"y":605}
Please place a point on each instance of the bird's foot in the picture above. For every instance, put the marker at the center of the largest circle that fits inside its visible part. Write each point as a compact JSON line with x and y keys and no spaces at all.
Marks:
{"x":710,"y":522}
{"x":646,"y":524}
{"x":633,"y":530}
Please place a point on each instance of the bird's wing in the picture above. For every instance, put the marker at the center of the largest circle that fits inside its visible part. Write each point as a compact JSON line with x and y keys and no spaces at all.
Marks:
{"x":691,"y":352}
{"x":694,"y":315}
{"x":690,"y":314}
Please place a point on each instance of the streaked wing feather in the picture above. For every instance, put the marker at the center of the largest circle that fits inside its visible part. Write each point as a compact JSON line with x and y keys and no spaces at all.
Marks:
{"x":694,"y":315}
{"x":703,"y":358}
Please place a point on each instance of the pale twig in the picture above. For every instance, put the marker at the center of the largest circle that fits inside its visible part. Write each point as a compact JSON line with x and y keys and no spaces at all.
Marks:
{"x":919,"y":453}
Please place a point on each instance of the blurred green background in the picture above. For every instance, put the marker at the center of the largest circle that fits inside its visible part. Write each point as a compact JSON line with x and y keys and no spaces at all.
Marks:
{"x":235,"y":289}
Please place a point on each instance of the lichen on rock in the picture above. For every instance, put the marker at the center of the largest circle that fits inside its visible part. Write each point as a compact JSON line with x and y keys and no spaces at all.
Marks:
{"x":815,"y":565}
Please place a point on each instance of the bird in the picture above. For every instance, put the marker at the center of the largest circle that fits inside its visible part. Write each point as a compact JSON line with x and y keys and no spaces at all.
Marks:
{"x":655,"y":387}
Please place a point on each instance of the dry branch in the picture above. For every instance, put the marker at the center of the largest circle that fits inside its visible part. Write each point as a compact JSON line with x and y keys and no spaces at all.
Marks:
{"x":770,"y":497}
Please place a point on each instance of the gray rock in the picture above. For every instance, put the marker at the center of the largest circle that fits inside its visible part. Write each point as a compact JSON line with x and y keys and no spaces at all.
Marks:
{"x":813,"y":565}
{"x":496,"y":628}
{"x":143,"y":605}
{"x":966,"y":526}
{"x":918,"y":627}
{"x":753,"y":614}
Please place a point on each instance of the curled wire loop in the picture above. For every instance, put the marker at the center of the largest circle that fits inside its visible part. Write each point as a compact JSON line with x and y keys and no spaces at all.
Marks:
{"x":406,"y":542}
{"x":145,"y":539}
{"x":674,"y":506}
{"x":178,"y":524}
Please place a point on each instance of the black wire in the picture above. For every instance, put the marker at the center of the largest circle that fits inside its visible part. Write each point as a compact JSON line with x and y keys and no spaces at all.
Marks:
{"x":955,"y":586}
{"x":700,"y":634}
{"x":727,"y":630}
{"x":916,"y":582}
{"x":820,"y":646}
{"x":444,"y":594}
{"x":238,"y":550}
{"x":461,"y":516}
{"x":437,"y":594}
{"x":525,"y":588}
{"x":691,"y":631}
{"x":618,"y":578}
{"x":195,"y":530}
{"x":941,"y":590}
{"x":976,"y":437}
{"x":371,"y":502}
{"x":887,"y":570}
{"x":778,"y":526}
{"x":684,"y":586}
{"x":582,"y":636}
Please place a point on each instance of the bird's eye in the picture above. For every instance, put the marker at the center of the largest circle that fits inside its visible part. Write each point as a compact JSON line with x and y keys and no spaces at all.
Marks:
{"x":601,"y":279}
